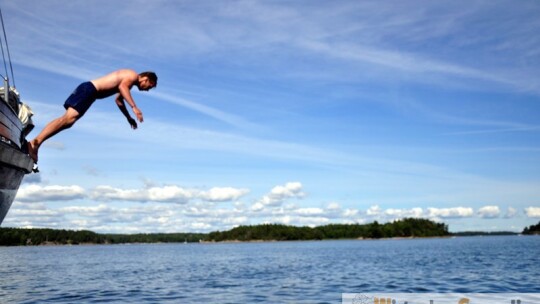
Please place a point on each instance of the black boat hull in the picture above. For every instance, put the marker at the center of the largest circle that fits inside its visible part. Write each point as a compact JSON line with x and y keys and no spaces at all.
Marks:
{"x":14,"y":161}
{"x":10,"y":181}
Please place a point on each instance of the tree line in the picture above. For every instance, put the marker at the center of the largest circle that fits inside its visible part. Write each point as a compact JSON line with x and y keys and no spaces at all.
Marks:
{"x":532,"y":229}
{"x":43,"y":236}
{"x":410,"y":227}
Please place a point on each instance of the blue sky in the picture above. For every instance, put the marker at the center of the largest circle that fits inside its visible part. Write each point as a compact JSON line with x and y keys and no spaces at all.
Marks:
{"x":295,"y":112}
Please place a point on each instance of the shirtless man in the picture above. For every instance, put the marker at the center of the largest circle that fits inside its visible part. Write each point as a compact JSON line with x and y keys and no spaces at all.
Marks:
{"x":118,"y":82}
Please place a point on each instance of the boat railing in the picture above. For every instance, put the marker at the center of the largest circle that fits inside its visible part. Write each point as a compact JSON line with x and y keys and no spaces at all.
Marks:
{"x":10,"y":96}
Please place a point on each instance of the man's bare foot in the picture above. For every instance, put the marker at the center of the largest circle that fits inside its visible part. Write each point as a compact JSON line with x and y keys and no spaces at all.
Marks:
{"x":32,"y":151}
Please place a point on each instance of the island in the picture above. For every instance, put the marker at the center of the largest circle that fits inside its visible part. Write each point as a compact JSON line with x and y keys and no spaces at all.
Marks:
{"x":533,"y":229}
{"x":410,"y":227}
{"x":404,"y":228}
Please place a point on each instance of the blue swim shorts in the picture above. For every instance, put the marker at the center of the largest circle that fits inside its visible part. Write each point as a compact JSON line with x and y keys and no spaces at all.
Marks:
{"x":82,"y":98}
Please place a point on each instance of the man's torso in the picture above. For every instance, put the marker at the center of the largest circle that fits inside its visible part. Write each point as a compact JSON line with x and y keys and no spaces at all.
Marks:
{"x":108,"y":85}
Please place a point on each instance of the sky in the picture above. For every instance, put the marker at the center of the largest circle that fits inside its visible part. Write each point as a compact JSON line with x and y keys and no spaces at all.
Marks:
{"x":303,"y":113}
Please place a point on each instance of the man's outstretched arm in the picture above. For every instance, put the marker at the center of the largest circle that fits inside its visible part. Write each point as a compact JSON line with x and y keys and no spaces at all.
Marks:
{"x":122,"y":106}
{"x":124,"y":88}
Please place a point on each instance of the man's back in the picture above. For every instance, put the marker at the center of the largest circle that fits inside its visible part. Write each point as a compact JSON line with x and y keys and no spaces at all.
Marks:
{"x":108,"y":85}
{"x":112,"y":80}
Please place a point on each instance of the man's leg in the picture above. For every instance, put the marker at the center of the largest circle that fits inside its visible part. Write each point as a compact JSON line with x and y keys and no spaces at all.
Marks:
{"x":54,"y":127}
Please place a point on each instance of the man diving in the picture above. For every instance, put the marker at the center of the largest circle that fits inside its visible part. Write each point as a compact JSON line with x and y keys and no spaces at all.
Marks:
{"x":118,"y":82}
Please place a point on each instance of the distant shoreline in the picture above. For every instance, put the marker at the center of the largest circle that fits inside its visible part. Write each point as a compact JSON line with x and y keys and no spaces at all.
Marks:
{"x":405,"y":229}
{"x":362,"y":239}
{"x":52,"y":244}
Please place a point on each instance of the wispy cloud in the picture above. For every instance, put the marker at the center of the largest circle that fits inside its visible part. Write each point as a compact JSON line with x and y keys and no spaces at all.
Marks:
{"x":207,"y":110}
{"x":482,"y":125}
{"x":360,"y":32}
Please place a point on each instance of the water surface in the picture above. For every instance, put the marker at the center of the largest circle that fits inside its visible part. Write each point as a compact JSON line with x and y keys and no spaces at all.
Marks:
{"x":275,"y":272}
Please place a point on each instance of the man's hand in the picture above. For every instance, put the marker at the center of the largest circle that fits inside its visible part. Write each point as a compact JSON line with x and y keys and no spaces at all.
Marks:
{"x":138,"y":113}
{"x":133,"y":123}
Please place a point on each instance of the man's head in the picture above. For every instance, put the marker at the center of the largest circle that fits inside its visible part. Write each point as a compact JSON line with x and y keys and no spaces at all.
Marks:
{"x":147,"y":81}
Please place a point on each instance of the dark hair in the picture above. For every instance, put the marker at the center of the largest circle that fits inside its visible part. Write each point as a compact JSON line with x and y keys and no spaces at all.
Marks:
{"x":151,"y":76}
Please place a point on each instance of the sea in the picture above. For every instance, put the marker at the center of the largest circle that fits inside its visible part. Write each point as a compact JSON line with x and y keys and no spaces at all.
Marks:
{"x":268,"y":272}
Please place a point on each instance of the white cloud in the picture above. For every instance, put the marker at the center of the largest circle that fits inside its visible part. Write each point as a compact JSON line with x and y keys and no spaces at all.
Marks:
{"x":511,"y":212}
{"x":333,"y":206}
{"x":170,"y":194}
{"x":258,"y":206}
{"x":310,"y":221}
{"x":279,"y":194}
{"x":489,"y":211}
{"x":223,"y":194}
{"x":202,"y":214}
{"x":32,"y":213}
{"x":89,"y":211}
{"x":532,"y":211}
{"x":198,"y":226}
{"x":456,"y":212}
{"x":236,"y":221}
{"x":292,"y":189}
{"x":286,"y":220}
{"x":173,"y":194}
{"x":309,"y":211}
{"x":334,"y":211}
{"x":37,"y":193}
{"x":350,"y":212}
{"x":373,"y":210}
{"x":401,"y":213}
{"x":377,"y":213}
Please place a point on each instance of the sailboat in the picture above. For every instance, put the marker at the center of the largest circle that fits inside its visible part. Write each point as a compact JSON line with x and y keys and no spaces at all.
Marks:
{"x":14,"y":160}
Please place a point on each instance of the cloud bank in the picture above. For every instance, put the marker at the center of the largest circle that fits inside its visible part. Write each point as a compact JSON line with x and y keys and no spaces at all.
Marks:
{"x":173,"y":208}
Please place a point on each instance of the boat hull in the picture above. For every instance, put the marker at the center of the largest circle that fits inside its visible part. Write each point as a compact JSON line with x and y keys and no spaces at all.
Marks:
{"x":14,"y":161}
{"x":10,"y":181}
